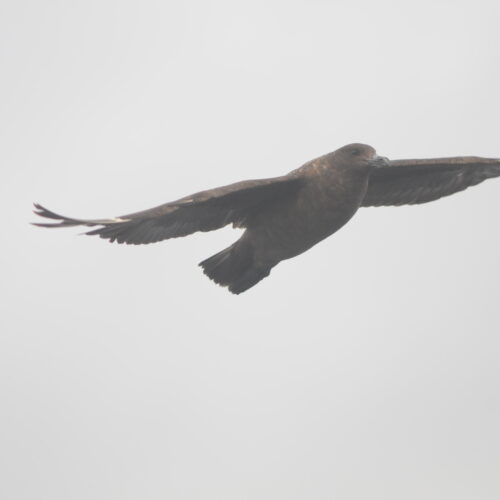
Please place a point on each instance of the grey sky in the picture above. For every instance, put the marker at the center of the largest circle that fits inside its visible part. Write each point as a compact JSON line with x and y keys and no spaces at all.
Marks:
{"x":366,"y":368}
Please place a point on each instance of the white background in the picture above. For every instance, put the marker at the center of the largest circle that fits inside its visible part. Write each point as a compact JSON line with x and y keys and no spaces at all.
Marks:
{"x":367,"y":368}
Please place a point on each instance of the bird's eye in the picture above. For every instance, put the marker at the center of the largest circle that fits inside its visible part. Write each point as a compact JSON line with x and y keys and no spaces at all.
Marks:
{"x":355,"y":152}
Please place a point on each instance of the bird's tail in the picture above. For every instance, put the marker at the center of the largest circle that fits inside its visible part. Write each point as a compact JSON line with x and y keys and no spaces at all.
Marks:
{"x":235,"y":268}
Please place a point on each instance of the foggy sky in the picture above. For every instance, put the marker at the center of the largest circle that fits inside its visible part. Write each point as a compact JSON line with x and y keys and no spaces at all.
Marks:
{"x":367,"y":367}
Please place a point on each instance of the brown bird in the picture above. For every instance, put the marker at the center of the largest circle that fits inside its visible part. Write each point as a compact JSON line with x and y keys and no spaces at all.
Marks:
{"x":285,"y":216}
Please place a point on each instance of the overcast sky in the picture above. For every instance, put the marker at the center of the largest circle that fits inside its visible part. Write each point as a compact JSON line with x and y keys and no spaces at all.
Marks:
{"x":366,"y":368}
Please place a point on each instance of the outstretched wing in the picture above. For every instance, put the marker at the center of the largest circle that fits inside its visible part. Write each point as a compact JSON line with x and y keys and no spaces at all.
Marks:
{"x":408,"y":182}
{"x":204,"y":211}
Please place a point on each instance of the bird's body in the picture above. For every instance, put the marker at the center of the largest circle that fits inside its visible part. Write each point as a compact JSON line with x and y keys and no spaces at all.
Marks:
{"x":327,"y":200}
{"x":285,"y":216}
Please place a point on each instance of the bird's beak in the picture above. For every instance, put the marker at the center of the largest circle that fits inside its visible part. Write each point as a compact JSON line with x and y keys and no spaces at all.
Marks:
{"x":379,"y":161}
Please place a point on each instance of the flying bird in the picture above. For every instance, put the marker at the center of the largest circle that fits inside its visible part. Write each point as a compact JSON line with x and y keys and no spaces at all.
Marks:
{"x":285,"y":216}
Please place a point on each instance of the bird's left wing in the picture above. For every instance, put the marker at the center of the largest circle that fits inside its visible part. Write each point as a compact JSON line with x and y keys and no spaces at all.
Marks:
{"x":204,"y":211}
{"x":408,"y":182}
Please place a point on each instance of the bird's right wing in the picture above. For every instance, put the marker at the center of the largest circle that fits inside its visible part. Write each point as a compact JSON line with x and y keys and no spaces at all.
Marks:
{"x":204,"y":211}
{"x":408,"y":182}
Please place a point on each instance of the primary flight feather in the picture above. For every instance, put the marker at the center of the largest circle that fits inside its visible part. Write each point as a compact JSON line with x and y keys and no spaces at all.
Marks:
{"x":285,"y":216}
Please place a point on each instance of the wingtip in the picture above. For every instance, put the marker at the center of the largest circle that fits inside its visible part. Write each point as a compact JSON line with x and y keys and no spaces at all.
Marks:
{"x":39,"y":208}
{"x":41,"y":224}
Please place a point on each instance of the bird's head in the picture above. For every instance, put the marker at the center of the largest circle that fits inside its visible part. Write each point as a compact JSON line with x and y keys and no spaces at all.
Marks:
{"x":360,"y":155}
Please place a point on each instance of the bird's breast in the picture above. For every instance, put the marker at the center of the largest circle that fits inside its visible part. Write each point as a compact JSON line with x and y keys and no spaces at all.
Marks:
{"x":327,"y":201}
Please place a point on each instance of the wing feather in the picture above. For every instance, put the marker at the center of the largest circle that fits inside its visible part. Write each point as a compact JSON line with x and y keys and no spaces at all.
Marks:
{"x":204,"y":211}
{"x":408,"y":182}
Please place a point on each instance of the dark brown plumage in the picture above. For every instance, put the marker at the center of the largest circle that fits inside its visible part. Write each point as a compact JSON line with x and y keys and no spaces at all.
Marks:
{"x":285,"y":216}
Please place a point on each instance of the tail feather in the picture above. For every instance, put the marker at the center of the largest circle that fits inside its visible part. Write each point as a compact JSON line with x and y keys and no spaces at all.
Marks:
{"x":234,"y":268}
{"x":248,"y":280}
